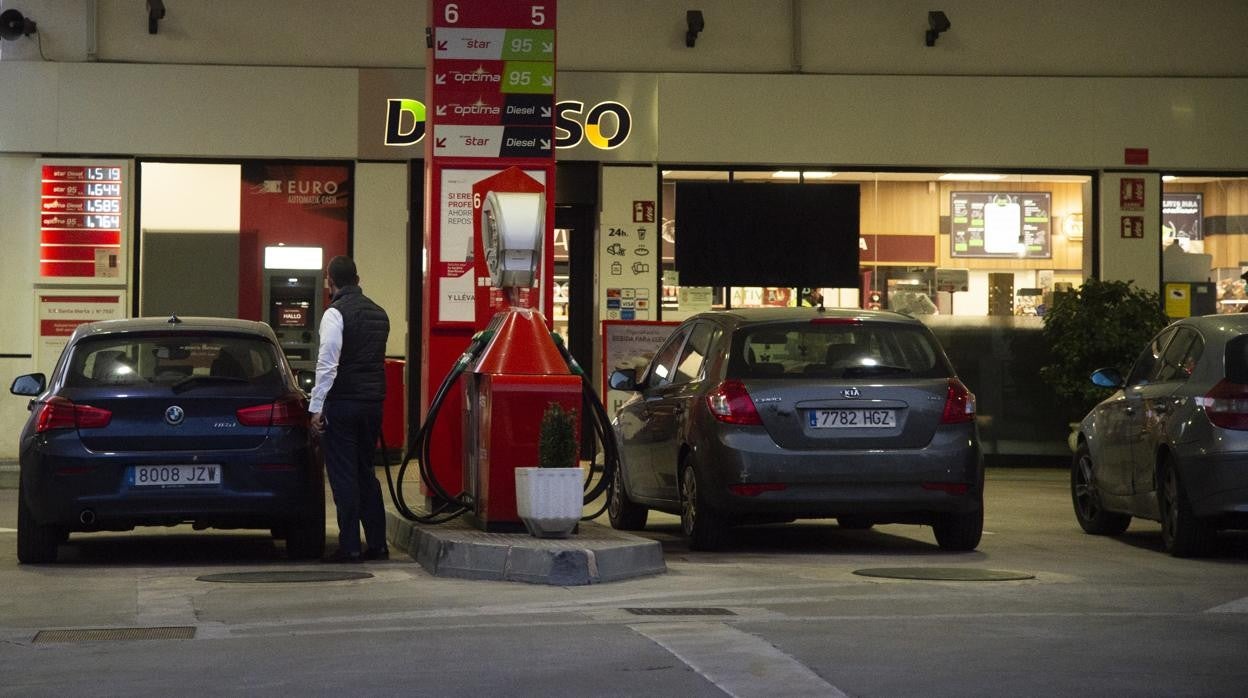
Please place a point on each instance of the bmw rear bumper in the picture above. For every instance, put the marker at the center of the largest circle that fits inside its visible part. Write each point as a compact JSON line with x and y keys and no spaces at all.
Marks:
{"x":85,"y":491}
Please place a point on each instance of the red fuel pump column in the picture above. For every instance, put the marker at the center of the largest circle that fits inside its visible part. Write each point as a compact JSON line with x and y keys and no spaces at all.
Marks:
{"x":518,"y":375}
{"x":490,"y":89}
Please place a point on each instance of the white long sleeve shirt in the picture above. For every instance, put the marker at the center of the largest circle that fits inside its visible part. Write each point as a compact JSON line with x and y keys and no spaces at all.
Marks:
{"x":327,"y":358}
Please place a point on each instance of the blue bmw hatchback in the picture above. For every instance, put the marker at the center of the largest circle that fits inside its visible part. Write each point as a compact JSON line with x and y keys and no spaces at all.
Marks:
{"x":152,"y":422}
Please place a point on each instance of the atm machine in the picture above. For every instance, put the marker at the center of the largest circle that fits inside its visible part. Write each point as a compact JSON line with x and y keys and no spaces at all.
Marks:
{"x":293,"y":299}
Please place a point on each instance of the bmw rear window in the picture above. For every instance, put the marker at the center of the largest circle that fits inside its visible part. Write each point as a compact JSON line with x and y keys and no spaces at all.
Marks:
{"x":836,"y":350}
{"x":139,"y":360}
{"x":1237,"y":360}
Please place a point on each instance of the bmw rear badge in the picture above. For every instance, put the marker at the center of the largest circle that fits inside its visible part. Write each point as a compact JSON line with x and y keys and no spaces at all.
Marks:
{"x":174,"y":415}
{"x":851,"y":393}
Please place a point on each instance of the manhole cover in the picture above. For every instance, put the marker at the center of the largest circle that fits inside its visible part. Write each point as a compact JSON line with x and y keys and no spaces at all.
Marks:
{"x":280,"y":577}
{"x":680,"y":611}
{"x":948,"y":574}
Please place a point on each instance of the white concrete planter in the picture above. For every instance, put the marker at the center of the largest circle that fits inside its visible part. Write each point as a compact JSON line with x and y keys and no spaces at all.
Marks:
{"x":549,"y":500}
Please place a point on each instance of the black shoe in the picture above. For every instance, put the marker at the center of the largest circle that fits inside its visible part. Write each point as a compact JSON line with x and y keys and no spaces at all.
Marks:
{"x":342,"y":556}
{"x":382,"y":553}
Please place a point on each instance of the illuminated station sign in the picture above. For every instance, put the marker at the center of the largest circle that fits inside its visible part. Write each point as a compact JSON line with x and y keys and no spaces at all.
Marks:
{"x":82,"y":212}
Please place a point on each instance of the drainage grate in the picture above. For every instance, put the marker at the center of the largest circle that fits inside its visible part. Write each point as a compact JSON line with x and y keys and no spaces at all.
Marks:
{"x":284,"y":577}
{"x":680,"y":611}
{"x":106,"y":634}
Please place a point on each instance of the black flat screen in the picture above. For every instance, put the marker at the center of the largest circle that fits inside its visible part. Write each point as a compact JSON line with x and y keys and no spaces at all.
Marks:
{"x":734,"y":234}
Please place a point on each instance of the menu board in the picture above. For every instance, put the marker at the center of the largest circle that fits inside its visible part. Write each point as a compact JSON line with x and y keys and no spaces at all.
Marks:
{"x":83,"y":214}
{"x":1181,"y":218}
{"x":1002,"y":224}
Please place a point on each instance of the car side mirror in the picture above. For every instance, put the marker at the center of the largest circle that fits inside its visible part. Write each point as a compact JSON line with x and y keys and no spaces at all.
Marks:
{"x":1107,"y":378}
{"x":624,"y":379}
{"x":29,"y":385}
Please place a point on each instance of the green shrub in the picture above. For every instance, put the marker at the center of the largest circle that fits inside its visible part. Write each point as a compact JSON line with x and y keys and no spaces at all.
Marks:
{"x":1102,"y":324}
{"x":557,"y":440}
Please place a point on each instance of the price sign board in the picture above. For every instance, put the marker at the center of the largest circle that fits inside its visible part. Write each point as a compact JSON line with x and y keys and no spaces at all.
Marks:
{"x":83,"y":218}
{"x":492,"y":81}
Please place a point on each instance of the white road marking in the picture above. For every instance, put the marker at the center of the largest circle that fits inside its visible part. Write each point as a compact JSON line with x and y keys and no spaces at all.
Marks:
{"x":8,"y":530}
{"x":739,"y":663}
{"x":1236,"y":606}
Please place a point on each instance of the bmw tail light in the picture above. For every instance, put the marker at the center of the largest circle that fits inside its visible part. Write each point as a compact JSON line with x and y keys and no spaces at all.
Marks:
{"x":288,"y":412}
{"x":60,"y":413}
{"x":959,"y":404}
{"x":1226,"y":405}
{"x":730,"y":402}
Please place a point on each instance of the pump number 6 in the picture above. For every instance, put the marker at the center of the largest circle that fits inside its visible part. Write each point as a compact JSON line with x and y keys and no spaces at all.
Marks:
{"x":451,"y":13}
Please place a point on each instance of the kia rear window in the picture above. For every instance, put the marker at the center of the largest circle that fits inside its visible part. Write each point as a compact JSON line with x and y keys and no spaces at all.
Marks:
{"x":817,"y":350}
{"x":144,"y":360}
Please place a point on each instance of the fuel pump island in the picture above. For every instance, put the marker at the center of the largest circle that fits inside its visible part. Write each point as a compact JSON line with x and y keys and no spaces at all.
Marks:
{"x":510,"y":373}
{"x":486,"y":277}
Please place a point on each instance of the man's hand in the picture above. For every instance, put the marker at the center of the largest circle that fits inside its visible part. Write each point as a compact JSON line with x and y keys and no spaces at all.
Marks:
{"x":318,"y":422}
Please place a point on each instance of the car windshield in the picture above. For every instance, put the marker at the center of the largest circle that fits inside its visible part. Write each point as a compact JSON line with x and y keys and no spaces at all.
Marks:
{"x":173,"y":360}
{"x":836,"y":350}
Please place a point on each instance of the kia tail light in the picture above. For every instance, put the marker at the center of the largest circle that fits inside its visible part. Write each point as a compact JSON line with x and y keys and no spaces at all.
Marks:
{"x":61,"y":413}
{"x":959,"y":404}
{"x":1226,"y":405}
{"x":731,"y":403}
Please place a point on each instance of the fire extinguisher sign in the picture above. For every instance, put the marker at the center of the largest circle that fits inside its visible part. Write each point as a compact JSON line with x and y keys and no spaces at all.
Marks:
{"x":1132,"y":194}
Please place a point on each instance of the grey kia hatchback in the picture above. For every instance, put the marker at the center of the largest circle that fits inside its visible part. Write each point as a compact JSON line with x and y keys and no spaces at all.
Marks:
{"x":155,"y":422}
{"x":1171,"y":444}
{"x":773,"y":414}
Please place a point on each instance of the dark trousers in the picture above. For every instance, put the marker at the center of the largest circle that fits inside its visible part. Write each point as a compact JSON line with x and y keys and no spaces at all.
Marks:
{"x":350,"y":439}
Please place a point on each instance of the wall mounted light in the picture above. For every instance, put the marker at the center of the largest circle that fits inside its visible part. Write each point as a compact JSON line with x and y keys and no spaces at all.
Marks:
{"x":937,"y":24}
{"x":695,"y":23}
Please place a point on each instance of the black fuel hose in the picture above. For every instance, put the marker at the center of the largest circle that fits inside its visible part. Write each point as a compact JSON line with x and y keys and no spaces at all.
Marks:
{"x":450,"y":506}
{"x":601,"y":424}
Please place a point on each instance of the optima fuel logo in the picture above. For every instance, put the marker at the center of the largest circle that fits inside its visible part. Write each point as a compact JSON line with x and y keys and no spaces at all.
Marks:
{"x":606,"y":126}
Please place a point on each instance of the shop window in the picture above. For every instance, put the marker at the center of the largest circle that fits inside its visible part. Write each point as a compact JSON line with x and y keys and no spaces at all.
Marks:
{"x":1204,"y":237}
{"x":932,"y":244}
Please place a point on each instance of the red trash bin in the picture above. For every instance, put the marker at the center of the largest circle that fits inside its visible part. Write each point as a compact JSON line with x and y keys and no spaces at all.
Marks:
{"x":394,"y":409}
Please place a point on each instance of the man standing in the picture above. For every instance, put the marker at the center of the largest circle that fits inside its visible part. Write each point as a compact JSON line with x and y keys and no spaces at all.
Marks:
{"x":346,"y":410}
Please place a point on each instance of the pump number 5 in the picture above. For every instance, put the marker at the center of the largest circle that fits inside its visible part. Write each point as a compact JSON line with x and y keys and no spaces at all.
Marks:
{"x":538,"y":14}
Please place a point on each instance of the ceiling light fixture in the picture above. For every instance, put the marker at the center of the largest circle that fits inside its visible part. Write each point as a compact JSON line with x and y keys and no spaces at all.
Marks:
{"x":970,"y":177}
{"x":810,"y":174}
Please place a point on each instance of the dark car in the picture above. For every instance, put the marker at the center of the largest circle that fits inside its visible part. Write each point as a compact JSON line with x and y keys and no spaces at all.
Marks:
{"x":763,"y":415}
{"x":1171,"y":444}
{"x":153,"y":422}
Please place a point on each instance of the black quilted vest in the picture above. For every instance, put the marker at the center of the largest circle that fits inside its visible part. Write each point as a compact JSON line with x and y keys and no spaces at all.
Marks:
{"x":362,"y":364}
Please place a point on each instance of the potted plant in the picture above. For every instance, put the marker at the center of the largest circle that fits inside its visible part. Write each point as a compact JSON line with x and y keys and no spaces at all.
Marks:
{"x":1101,"y":324}
{"x":549,"y":498}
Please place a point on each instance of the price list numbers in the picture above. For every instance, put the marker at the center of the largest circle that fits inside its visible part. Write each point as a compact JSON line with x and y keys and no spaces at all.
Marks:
{"x":80,"y":221}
